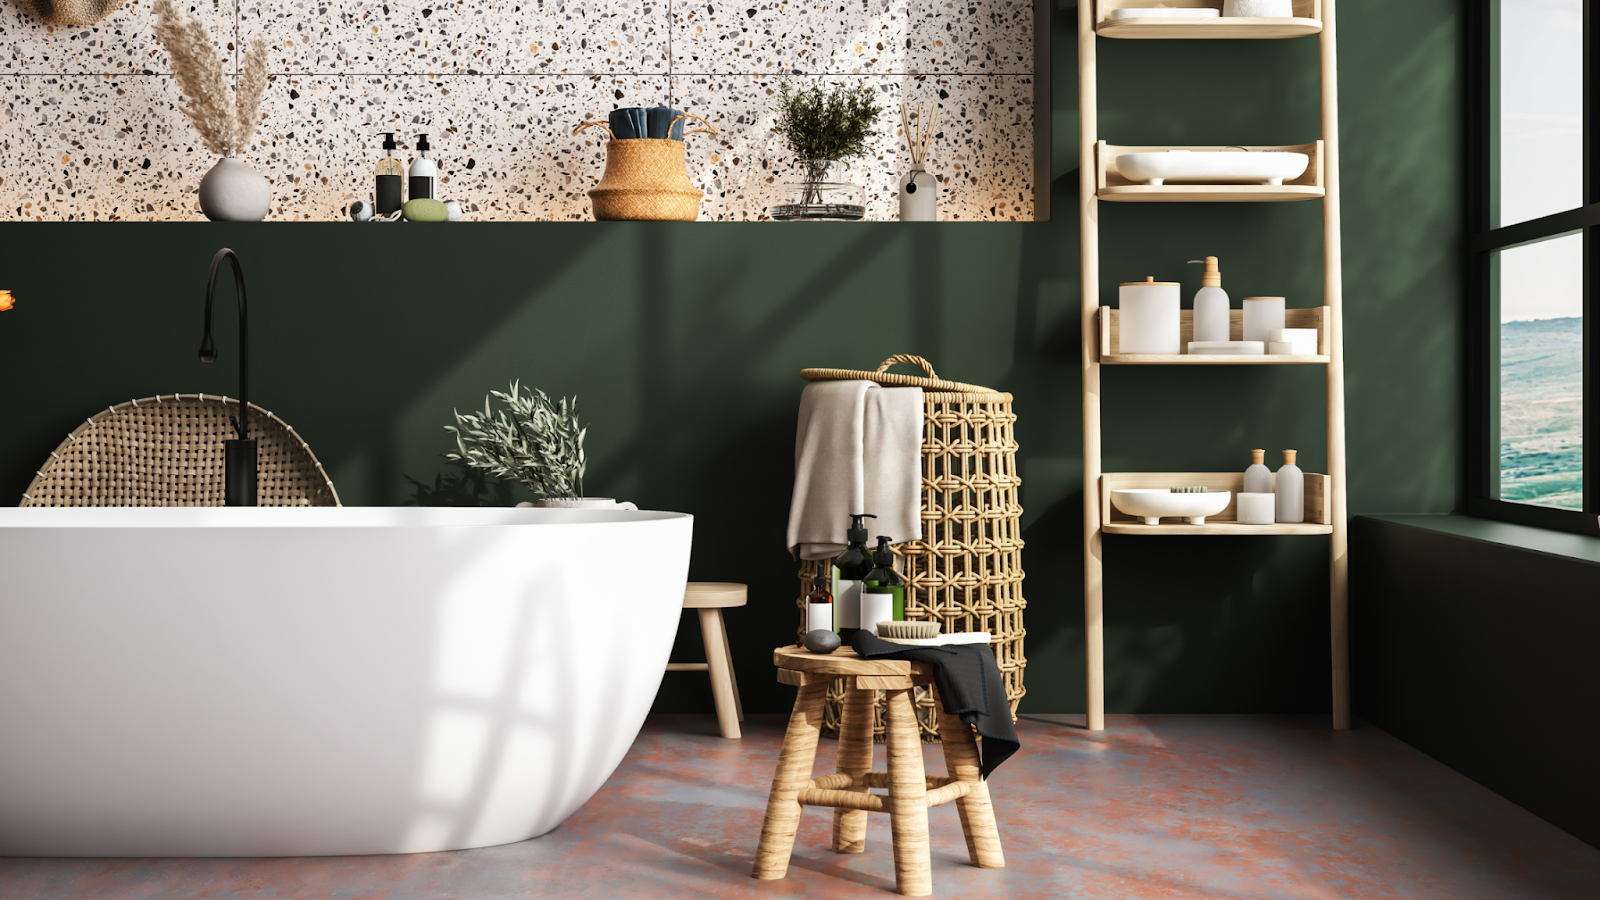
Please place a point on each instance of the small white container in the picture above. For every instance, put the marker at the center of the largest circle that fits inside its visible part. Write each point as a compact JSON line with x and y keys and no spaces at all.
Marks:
{"x":1294,"y":335}
{"x":1261,"y":9}
{"x":1261,"y":316}
{"x":1295,"y":348}
{"x":1256,"y":509}
{"x":1227,"y":348}
{"x":1148,"y":317}
{"x":1258,"y":478}
{"x":1289,"y":486}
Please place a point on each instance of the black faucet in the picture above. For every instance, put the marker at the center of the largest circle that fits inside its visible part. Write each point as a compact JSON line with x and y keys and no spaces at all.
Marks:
{"x":240,"y":454}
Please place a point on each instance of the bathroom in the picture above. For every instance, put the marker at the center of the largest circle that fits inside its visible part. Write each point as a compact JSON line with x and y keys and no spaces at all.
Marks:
{"x":683,"y":342}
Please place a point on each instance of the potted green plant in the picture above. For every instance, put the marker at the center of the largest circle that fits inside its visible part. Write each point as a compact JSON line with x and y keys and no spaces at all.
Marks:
{"x":535,"y":441}
{"x":825,"y":129}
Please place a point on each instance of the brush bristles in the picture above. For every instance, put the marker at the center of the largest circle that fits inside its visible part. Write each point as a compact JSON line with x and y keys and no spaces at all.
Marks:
{"x":913,"y":631}
{"x":1190,"y":490}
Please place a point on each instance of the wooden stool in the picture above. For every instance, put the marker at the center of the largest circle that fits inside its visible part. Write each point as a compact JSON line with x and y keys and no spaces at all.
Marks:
{"x":710,"y":598}
{"x":911,"y":791}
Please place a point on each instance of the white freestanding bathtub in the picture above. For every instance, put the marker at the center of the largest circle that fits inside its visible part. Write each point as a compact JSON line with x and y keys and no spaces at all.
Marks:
{"x":294,"y":682}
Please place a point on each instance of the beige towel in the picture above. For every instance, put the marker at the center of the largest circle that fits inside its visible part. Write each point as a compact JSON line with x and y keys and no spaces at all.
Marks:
{"x":858,"y":449}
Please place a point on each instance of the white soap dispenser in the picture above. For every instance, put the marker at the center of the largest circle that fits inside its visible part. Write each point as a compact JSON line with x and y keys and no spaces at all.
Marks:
{"x":1257,"y":478}
{"x":424,"y":174}
{"x":1210,"y":305}
{"x":1290,"y":494}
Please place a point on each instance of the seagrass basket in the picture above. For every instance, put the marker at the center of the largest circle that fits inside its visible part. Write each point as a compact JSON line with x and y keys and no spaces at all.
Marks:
{"x":646,"y":179}
{"x":966,"y":571}
{"x":73,"y":12}
{"x":168,"y":451}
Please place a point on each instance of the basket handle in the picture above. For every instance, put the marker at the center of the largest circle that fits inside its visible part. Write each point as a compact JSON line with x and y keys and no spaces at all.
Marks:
{"x":601,"y":124}
{"x":912,"y":360}
{"x":707,"y":130}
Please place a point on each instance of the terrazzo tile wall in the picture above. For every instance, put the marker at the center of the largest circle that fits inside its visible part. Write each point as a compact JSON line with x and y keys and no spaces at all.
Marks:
{"x":92,"y":129}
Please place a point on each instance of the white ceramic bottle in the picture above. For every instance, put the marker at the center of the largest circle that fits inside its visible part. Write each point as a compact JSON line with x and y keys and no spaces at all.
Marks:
{"x":919,"y":196}
{"x":1258,"y":478}
{"x":424,"y":180}
{"x":1290,"y":491}
{"x":1148,"y":317}
{"x":1210,"y":305}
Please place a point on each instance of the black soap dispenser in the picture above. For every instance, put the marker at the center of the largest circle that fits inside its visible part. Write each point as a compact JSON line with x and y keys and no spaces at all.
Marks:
{"x":391,"y":178}
{"x":883,"y":593}
{"x":852,"y":567}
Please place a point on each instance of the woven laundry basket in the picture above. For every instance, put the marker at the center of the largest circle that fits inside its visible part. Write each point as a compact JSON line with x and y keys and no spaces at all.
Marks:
{"x":646,"y":180}
{"x":167,"y":451}
{"x":966,"y":572}
{"x":73,"y":12}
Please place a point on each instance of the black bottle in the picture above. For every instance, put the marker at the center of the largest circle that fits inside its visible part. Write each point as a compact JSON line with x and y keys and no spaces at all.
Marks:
{"x":391,"y":177}
{"x":853,"y":565}
{"x":883,"y":593}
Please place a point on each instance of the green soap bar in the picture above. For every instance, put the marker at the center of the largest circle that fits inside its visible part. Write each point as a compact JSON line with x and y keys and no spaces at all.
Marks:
{"x":423,"y":209}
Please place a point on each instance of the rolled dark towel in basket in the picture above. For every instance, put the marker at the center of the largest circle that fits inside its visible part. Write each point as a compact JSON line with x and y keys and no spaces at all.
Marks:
{"x":970,"y":687}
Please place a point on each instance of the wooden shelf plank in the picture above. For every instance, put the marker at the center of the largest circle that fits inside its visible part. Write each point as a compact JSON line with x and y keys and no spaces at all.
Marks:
{"x":1316,"y":317}
{"x":1175,"y":28}
{"x":1223,"y":528}
{"x":1210,"y":193}
{"x":1114,"y":521}
{"x":1192,"y":359}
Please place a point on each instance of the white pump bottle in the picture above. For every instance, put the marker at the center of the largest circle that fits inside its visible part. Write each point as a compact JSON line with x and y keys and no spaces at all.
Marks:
{"x":1210,"y":305}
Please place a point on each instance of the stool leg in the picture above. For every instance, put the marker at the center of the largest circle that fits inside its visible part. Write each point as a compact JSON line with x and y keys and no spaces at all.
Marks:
{"x":855,"y":760}
{"x":733,"y":677}
{"x":977,"y":813}
{"x":908,"y":787}
{"x":716,"y":643}
{"x":793,"y":774}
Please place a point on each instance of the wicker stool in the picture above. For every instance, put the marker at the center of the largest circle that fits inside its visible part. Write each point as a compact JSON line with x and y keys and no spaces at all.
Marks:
{"x":710,"y":598}
{"x":911,"y":791}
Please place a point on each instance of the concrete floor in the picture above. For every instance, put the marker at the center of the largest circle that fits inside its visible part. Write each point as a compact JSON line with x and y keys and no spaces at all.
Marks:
{"x":1154,"y":807}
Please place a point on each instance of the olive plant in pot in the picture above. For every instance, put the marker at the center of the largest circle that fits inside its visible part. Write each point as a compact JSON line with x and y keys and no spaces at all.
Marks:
{"x":535,"y":441}
{"x":825,"y":129}
{"x":226,"y":120}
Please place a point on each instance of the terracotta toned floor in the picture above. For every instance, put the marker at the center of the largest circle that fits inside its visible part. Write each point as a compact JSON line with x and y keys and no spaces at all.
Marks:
{"x":1155,"y":807}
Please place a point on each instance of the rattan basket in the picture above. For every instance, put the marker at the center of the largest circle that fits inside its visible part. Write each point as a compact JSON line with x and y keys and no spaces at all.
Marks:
{"x":73,"y":12}
{"x":646,"y":179}
{"x":167,"y":451}
{"x":966,"y":571}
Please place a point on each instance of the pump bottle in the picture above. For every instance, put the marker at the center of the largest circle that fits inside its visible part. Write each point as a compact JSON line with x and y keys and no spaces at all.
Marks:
{"x":424,"y":174}
{"x":1258,"y":478}
{"x":819,"y":604}
{"x":883,"y":593}
{"x":391,"y":178}
{"x":1211,"y":305}
{"x":851,"y":568}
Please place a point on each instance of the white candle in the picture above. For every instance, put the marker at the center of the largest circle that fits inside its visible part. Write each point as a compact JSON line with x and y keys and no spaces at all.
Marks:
{"x":1148,"y":317}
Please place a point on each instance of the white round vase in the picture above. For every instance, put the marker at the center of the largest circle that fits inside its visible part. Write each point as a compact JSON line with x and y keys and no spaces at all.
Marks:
{"x":234,"y":192}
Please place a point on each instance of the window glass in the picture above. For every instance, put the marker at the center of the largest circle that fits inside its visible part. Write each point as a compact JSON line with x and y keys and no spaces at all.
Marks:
{"x":1541,"y":373}
{"x":1540,"y":139}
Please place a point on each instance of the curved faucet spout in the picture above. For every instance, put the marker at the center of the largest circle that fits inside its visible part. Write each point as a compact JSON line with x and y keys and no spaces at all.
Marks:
{"x":240,"y":462}
{"x":208,"y":346}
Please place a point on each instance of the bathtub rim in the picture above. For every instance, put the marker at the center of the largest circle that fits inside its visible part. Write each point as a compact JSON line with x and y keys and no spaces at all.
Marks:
{"x":321,"y":517}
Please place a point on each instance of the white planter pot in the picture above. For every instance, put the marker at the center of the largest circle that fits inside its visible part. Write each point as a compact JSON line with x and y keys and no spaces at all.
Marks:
{"x":234,"y":192}
{"x":579,"y":503}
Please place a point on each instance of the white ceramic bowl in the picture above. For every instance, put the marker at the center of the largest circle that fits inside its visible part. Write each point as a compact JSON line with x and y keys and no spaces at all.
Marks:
{"x":1213,"y":166}
{"x":1151,"y":504}
{"x":1166,"y":13}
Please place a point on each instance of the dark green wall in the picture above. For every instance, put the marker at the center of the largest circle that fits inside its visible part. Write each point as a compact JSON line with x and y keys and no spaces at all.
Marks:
{"x":1481,"y":654}
{"x":683,"y":343}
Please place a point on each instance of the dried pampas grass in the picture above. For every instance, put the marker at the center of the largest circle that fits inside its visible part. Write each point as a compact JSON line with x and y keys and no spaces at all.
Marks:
{"x":225,"y":127}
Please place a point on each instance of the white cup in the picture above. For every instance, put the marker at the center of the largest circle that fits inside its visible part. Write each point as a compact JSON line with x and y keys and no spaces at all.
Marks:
{"x":1261,"y":316}
{"x":1256,"y":509}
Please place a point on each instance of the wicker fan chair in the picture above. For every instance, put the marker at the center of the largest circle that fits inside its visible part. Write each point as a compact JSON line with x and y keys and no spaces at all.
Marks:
{"x":167,"y":451}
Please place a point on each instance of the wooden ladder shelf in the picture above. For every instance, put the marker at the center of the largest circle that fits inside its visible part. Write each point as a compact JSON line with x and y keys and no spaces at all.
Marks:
{"x":1326,"y":502}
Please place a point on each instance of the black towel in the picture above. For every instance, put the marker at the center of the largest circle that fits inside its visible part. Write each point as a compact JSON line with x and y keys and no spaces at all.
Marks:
{"x":970,"y":687}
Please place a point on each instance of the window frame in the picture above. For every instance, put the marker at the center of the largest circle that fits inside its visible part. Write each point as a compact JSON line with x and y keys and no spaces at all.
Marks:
{"x":1481,"y":243}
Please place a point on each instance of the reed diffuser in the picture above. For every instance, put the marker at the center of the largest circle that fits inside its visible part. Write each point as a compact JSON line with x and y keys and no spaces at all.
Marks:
{"x":919,"y":189}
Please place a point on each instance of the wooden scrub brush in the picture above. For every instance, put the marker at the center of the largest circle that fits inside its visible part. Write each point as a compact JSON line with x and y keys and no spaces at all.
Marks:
{"x":908,"y":631}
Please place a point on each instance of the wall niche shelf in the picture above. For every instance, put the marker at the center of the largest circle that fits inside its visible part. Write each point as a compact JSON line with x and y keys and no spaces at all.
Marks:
{"x":1326,"y":507}
{"x":1307,"y":20}
{"x":1110,"y":184}
{"x":1292,"y":318}
{"x":1114,"y":521}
